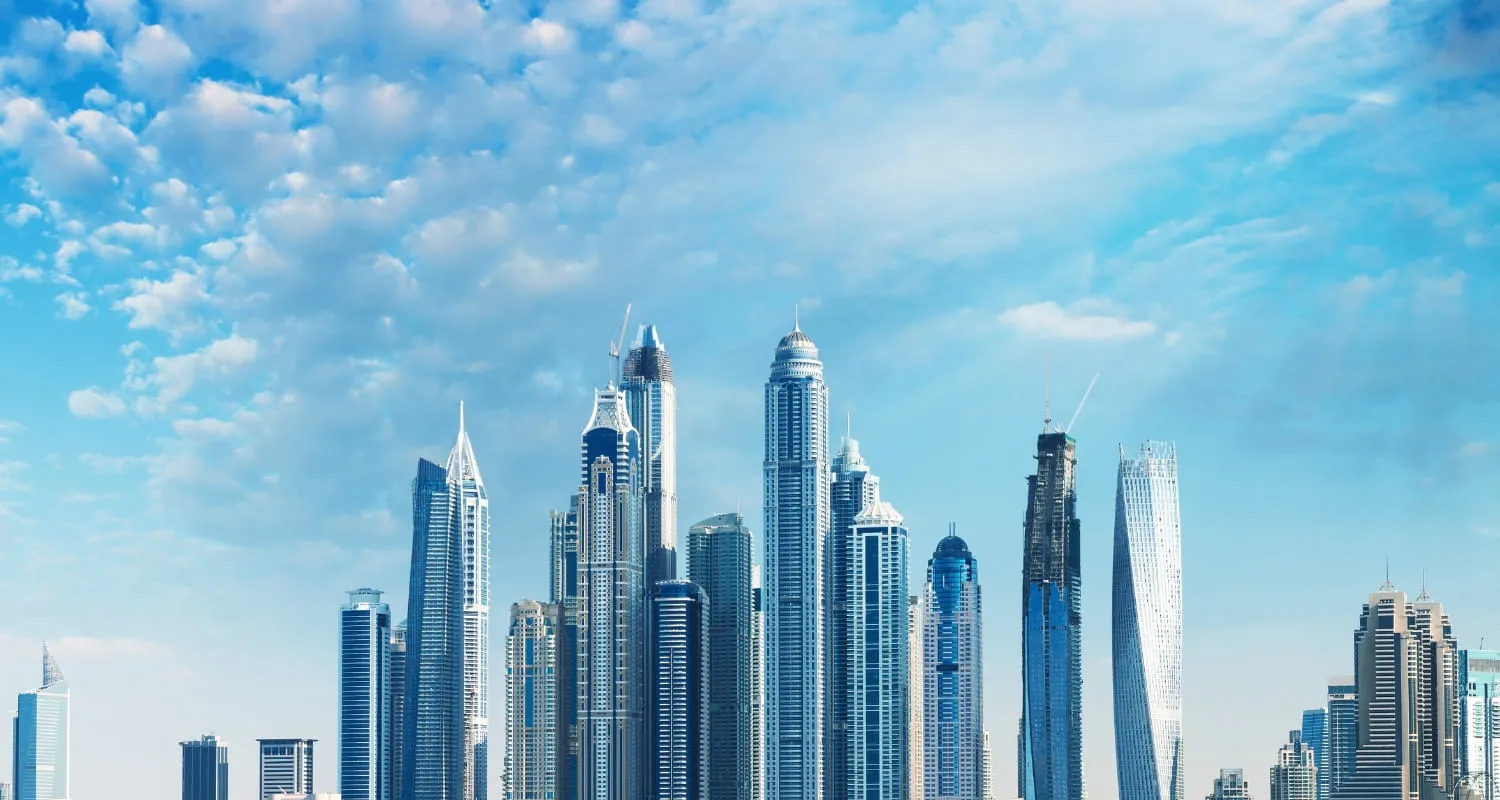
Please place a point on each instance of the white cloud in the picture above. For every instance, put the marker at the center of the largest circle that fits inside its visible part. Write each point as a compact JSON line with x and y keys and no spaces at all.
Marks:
{"x":10,"y":428}
{"x":87,"y":43}
{"x":172,"y":377}
{"x":598,"y":131}
{"x":94,"y":403}
{"x":22,"y":214}
{"x":56,"y":160}
{"x":74,"y":305}
{"x":464,"y":237}
{"x":98,"y":97}
{"x":546,"y":37}
{"x":12,"y":270}
{"x":66,"y":252}
{"x":169,"y":305}
{"x":115,"y":15}
{"x":1048,"y":320}
{"x":155,"y":58}
{"x":1477,"y":449}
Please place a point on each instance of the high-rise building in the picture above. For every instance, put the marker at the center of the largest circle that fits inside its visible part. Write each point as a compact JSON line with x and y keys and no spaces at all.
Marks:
{"x":1147,"y":626}
{"x":916,"y":718}
{"x":39,"y":741}
{"x":679,"y":677}
{"x":757,"y":689}
{"x":851,"y":489}
{"x":286,"y":767}
{"x":531,"y":712}
{"x":953,"y":676}
{"x":1051,"y":627}
{"x":5,"y":793}
{"x":796,"y":505}
{"x":432,"y":739}
{"x":472,"y":516}
{"x":396,"y":702}
{"x":1294,"y":776}
{"x":1406,"y":672}
{"x":1479,"y":719}
{"x":987,"y":771}
{"x":879,"y":687}
{"x":1314,"y":733}
{"x":564,"y":568}
{"x":651,"y":397}
{"x":205,"y":769}
{"x":1341,"y":737}
{"x":612,"y":615}
{"x":1230,"y":785}
{"x":718,"y":561}
{"x":364,"y":697}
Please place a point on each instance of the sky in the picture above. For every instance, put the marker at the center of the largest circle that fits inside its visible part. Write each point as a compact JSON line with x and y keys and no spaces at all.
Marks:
{"x":253,"y":254}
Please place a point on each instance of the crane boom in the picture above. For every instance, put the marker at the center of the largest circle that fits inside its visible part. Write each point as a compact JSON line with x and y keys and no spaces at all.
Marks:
{"x":1085,"y":399}
{"x":617,"y":345}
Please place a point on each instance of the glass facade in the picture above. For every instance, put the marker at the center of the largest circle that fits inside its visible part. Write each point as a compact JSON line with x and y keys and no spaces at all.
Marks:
{"x":531,"y":715}
{"x":796,"y":506}
{"x":953,"y":676}
{"x":472,"y":517}
{"x":1051,"y":746}
{"x":40,"y":744}
{"x":396,"y":702}
{"x":286,"y":767}
{"x":1342,"y":735}
{"x":1315,"y":735}
{"x":680,"y":686}
{"x":757,"y":689}
{"x":1147,"y":626}
{"x":564,"y":568}
{"x":1479,"y":723}
{"x":205,"y":769}
{"x":718,"y":550}
{"x":1230,"y":785}
{"x":651,"y":396}
{"x":1294,"y":776}
{"x":851,"y":489}
{"x":878,"y":660}
{"x":364,"y":697}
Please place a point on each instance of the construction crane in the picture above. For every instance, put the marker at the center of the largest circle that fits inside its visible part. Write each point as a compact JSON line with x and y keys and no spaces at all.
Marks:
{"x":1085,"y":399}
{"x":618,"y":344}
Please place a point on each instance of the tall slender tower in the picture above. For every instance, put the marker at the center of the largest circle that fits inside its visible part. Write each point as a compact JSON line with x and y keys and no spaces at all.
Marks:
{"x":531,"y":680}
{"x":1479,"y":724}
{"x":719,"y":561}
{"x":1147,"y":626}
{"x":396,"y":693}
{"x":679,"y":678}
{"x":879,"y":683}
{"x":1051,"y":627}
{"x":1341,"y":739}
{"x":852,"y":488}
{"x":40,"y":743}
{"x":1294,"y":776}
{"x":1314,"y":733}
{"x":473,"y":519}
{"x":916,"y":718}
{"x":797,"y":519}
{"x":364,"y":697}
{"x":757,"y":689}
{"x":564,"y":535}
{"x":433,"y":757}
{"x":987,"y":772}
{"x":612,"y":692}
{"x":205,"y":769}
{"x":956,"y":749}
{"x":651,"y":397}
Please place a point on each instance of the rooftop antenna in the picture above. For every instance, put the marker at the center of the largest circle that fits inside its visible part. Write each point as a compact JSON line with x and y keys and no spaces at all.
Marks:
{"x":1085,"y":399}
{"x":848,"y":424}
{"x":460,"y":416}
{"x":1047,"y":403}
{"x":614,"y":349}
{"x":953,"y":529}
{"x":796,"y":316}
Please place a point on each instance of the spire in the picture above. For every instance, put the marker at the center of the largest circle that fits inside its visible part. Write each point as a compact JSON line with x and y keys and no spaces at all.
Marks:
{"x":460,"y":418}
{"x":1047,"y":403}
{"x":1424,"y":597}
{"x":796,"y":316}
{"x":461,"y":462}
{"x":1387,"y":586}
{"x":51,"y":672}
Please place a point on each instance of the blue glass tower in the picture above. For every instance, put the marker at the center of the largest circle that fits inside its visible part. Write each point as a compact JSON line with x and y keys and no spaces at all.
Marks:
{"x":612,"y":747}
{"x":564,"y":596}
{"x":1479,"y":719}
{"x":1341,"y":738}
{"x":679,"y":679}
{"x":531,"y":681}
{"x":396,"y":702}
{"x":1051,"y":627}
{"x":953,"y":676}
{"x":878,"y":658}
{"x":40,"y":745}
{"x":796,"y":504}
{"x":718,"y":550}
{"x":205,"y":769}
{"x":433,"y":739}
{"x":364,"y":697}
{"x":1314,"y":735}
{"x":852,"y":489}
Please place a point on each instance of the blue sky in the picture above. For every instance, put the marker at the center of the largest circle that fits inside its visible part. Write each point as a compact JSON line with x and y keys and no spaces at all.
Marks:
{"x":254,"y":252}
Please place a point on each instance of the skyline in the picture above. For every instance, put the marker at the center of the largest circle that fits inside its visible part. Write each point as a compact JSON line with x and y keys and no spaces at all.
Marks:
{"x":228,"y":356}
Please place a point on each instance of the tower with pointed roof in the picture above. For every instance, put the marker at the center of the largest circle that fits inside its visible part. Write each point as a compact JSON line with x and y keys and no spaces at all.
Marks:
{"x":473,"y":520}
{"x":796,"y":506}
{"x":954,"y":750}
{"x":40,"y":740}
{"x":651,"y":395}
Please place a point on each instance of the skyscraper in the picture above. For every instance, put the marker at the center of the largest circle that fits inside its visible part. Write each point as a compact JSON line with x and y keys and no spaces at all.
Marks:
{"x":364,"y":697}
{"x":1406,"y":669}
{"x":1479,"y":719}
{"x":757,"y":689}
{"x":612,"y":748}
{"x":1341,"y":739}
{"x":953,"y":676}
{"x":879,"y":687}
{"x":396,"y":702}
{"x":651,"y":397}
{"x":432,"y":760}
{"x":286,"y":767}
{"x":1147,"y":626}
{"x":564,"y":567}
{"x":916,"y":717}
{"x":987,"y":771}
{"x":472,"y":516}
{"x":851,"y":489}
{"x":1051,"y":627}
{"x":1230,"y":785}
{"x":5,"y":792}
{"x":531,"y":712}
{"x":1315,"y":735}
{"x":40,"y":743}
{"x":1294,"y":776}
{"x":679,"y":677}
{"x":797,"y":519}
{"x":719,"y":562}
{"x":205,"y":769}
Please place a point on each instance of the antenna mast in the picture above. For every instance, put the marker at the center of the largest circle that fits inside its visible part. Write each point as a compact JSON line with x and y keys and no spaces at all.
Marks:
{"x":615,"y":346}
{"x":1085,"y":399}
{"x":1047,"y":403}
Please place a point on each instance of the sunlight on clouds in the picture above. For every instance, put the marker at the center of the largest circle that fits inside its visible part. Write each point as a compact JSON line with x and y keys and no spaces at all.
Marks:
{"x":1048,"y":320}
{"x":95,"y":403}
